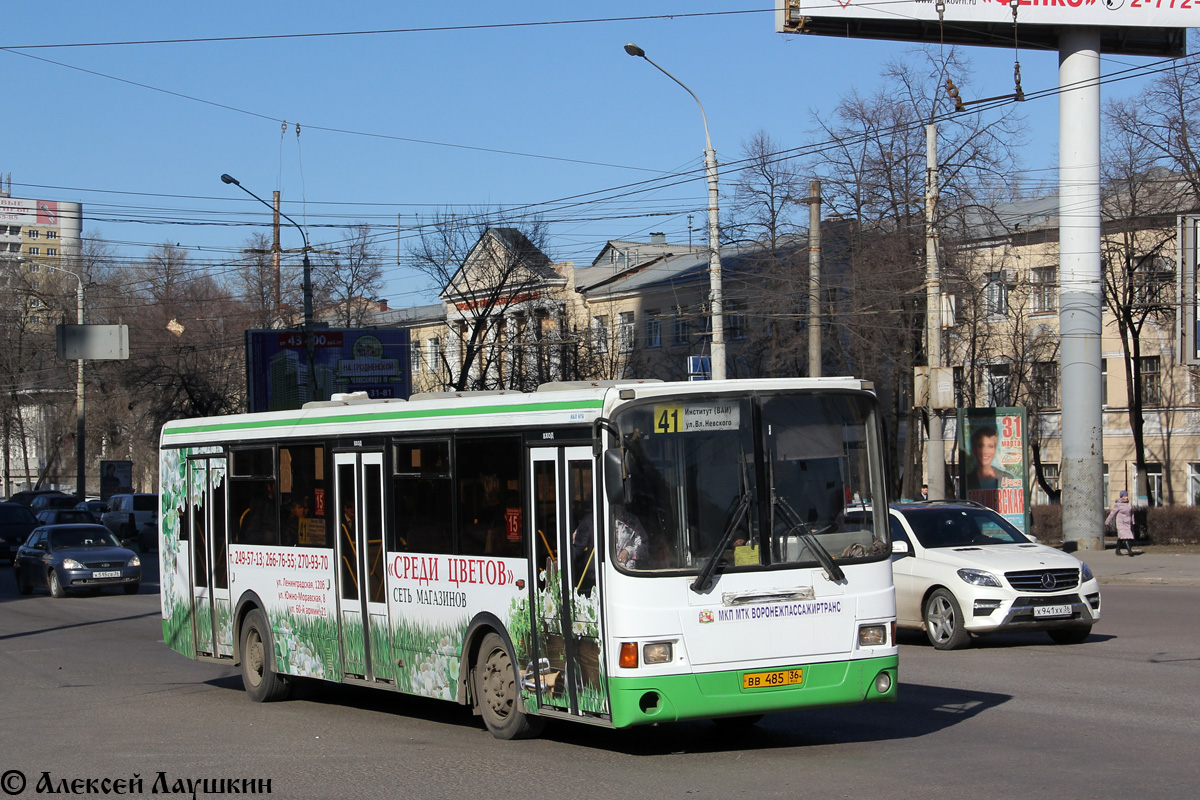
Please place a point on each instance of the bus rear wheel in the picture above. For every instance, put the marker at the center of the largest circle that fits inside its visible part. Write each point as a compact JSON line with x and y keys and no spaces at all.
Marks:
{"x":497,"y":694}
{"x":263,"y":684}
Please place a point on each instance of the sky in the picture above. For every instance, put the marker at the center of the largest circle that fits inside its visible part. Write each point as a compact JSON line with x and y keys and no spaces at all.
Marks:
{"x":407,"y":111}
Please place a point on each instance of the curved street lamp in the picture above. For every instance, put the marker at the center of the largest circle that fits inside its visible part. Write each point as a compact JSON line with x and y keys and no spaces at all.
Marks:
{"x":714,"y":242}
{"x":308,"y":299}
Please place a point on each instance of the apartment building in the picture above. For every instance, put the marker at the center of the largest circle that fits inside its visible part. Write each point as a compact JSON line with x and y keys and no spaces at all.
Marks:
{"x":1003,"y":341}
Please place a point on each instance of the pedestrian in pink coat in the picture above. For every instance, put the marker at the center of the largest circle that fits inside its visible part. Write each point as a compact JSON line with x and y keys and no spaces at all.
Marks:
{"x":1122,"y":513}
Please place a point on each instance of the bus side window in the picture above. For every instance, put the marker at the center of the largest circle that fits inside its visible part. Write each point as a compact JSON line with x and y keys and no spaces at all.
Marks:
{"x":423,"y":512}
{"x":255,"y":512}
{"x":488,"y":474}
{"x":253,"y":497}
{"x":302,"y":492}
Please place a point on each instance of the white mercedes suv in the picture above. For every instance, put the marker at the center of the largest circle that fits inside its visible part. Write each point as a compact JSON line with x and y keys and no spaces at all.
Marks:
{"x":962,"y":569}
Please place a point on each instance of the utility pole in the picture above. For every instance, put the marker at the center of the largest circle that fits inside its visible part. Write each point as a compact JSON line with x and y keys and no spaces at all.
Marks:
{"x":814,"y":279}
{"x":935,"y":446}
{"x":275,"y":253}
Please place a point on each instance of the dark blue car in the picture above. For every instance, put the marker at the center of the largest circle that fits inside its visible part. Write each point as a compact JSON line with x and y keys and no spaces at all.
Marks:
{"x":62,"y":557}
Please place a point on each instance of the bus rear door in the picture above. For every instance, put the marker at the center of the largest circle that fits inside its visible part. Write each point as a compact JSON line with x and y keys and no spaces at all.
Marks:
{"x":208,"y":557}
{"x":362,"y":595}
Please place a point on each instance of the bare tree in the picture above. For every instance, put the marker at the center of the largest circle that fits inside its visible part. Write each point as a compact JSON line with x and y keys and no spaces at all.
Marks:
{"x":1140,"y":202}
{"x":773,"y":278}
{"x":189,"y":359}
{"x":508,"y":325}
{"x":873,"y":174}
{"x":1162,"y":125}
{"x":253,"y":282}
{"x":350,"y":275}
{"x":766,"y":189}
{"x":26,"y":334}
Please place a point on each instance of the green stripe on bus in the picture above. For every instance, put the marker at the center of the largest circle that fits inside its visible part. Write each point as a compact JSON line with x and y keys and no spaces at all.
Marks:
{"x":379,"y":416}
{"x":670,"y":698}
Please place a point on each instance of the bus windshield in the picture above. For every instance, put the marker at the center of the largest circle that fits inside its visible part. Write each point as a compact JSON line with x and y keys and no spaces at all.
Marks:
{"x":751,"y":482}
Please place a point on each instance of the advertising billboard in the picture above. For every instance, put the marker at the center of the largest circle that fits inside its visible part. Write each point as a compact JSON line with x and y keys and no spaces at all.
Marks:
{"x":1144,"y":27}
{"x":116,"y":477}
{"x":29,"y":212}
{"x":1093,"y":13}
{"x":993,"y":467}
{"x":278,"y":374}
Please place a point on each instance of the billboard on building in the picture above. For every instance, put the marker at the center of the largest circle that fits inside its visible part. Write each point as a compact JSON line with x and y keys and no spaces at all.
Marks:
{"x":993,"y":467}
{"x":116,"y":477}
{"x":40,"y":213}
{"x":279,"y":377}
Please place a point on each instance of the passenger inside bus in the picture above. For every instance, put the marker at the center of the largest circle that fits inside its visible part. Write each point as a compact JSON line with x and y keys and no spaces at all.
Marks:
{"x":257,"y":523}
{"x":631,"y":546}
{"x":295,"y":510}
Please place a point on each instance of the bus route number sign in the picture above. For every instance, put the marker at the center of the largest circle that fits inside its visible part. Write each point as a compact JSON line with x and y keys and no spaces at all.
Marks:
{"x":696,"y":417}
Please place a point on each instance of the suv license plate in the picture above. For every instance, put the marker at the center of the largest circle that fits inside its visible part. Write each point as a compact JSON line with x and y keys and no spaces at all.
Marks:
{"x":1051,"y":611}
{"x":107,"y":574}
{"x":767,"y":680}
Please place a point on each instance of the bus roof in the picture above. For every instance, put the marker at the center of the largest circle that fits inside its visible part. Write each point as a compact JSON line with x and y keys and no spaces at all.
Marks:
{"x":552,"y":405}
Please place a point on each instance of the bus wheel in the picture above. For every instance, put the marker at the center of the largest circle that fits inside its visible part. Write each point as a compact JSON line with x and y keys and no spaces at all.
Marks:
{"x":262,"y":683}
{"x":497,"y":694}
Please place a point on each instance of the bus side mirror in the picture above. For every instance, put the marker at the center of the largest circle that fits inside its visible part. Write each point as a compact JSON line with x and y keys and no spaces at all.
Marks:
{"x":616,"y":488}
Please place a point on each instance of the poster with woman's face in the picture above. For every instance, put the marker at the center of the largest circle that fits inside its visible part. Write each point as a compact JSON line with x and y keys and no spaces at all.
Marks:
{"x":992,"y":460}
{"x":116,"y":477}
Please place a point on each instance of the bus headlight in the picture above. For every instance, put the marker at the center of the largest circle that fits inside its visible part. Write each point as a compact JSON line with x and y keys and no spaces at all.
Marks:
{"x":872,"y":636}
{"x":657,"y":653}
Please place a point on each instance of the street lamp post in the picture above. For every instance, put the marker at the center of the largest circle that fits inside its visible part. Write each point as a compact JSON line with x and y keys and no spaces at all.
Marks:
{"x":80,"y":444}
{"x":308,"y":299}
{"x":714,"y":243}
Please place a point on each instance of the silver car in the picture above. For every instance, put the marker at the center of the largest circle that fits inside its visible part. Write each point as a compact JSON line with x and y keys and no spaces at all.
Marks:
{"x":62,"y":557}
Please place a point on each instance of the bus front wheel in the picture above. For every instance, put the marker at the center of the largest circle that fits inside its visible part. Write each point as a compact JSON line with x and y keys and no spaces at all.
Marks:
{"x":497,"y":693}
{"x":263,"y":684}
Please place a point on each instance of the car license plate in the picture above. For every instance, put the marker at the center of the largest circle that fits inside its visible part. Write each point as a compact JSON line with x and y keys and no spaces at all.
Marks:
{"x":116,"y":573}
{"x":1051,"y":611}
{"x":766,"y":680}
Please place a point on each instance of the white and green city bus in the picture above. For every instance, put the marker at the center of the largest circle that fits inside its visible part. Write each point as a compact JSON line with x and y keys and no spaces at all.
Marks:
{"x":620,"y":554}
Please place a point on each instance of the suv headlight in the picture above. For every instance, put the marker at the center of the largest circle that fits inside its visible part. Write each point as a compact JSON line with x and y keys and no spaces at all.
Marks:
{"x":1085,"y":572}
{"x":978,"y":577}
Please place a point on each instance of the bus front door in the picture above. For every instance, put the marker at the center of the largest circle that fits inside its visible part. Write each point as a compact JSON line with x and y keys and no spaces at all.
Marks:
{"x":207,"y":555}
{"x":362,"y":595}
{"x":567,"y":668}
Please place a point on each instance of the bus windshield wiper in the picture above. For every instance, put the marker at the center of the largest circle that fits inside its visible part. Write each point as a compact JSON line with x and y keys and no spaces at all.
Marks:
{"x":798,"y":526}
{"x":736,"y":514}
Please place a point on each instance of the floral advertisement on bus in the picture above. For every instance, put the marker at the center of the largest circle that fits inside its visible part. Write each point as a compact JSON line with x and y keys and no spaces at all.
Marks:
{"x":993,"y":466}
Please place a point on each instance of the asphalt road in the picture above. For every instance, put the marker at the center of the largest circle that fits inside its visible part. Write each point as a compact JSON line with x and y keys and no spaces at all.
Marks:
{"x":90,"y":691}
